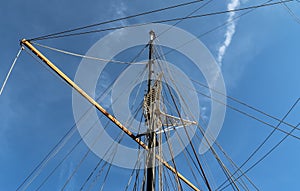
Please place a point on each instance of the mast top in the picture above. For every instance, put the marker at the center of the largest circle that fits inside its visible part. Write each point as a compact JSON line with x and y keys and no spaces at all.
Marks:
{"x":152,"y":35}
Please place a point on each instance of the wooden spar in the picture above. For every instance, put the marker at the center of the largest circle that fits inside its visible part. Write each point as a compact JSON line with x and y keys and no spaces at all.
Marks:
{"x":151,"y":169}
{"x":102,"y":110}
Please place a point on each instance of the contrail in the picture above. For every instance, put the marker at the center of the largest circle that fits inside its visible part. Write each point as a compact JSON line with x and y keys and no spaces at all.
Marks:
{"x":229,"y":31}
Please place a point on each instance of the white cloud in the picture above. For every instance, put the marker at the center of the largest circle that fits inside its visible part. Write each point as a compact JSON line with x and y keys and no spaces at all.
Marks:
{"x":119,"y":10}
{"x":229,"y":31}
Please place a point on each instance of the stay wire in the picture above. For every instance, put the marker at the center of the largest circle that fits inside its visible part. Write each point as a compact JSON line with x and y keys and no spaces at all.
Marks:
{"x":82,"y":159}
{"x":114,"y":20}
{"x":137,"y":173}
{"x":201,"y":7}
{"x":137,"y":56}
{"x":291,"y":13}
{"x":250,"y":116}
{"x":120,"y":135}
{"x":181,"y":141}
{"x":185,"y":150}
{"x":167,"y":20}
{"x":64,"y":158}
{"x":226,"y":155}
{"x":194,"y":151}
{"x":135,"y":168}
{"x":229,"y":159}
{"x":179,"y":185}
{"x":111,"y":162}
{"x":170,"y":179}
{"x":95,"y":168}
{"x":97,"y":175}
{"x":262,"y":158}
{"x":35,"y":172}
{"x":222,"y":165}
{"x":107,"y":162}
{"x":84,"y":56}
{"x":235,"y":166}
{"x":173,"y":161}
{"x":214,"y":29}
{"x":270,"y":151}
{"x":264,"y":141}
{"x":91,"y":174}
{"x":135,"y":114}
{"x":52,"y":153}
{"x":245,"y":104}
{"x":10,"y":69}
{"x":166,"y":185}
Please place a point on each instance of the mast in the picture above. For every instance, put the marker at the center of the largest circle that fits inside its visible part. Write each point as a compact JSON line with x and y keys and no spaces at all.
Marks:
{"x":150,"y":159}
{"x":150,"y":62}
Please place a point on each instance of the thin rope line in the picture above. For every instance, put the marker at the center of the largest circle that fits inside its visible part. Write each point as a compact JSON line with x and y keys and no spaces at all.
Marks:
{"x":213,"y":29}
{"x":250,"y":116}
{"x":84,"y":56}
{"x":118,"y":19}
{"x":244,"y":104}
{"x":10,"y":70}
{"x":291,"y":13}
{"x":202,"y":6}
{"x":261,"y":159}
{"x":265,"y":140}
{"x":168,"y":20}
{"x":273,"y":148}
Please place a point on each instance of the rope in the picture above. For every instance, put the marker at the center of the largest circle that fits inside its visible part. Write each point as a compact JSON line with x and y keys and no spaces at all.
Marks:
{"x":166,"y":20}
{"x":251,"y":116}
{"x":52,"y":153}
{"x":180,"y":140}
{"x":244,"y":104}
{"x":214,"y":29}
{"x":227,"y":156}
{"x":10,"y":70}
{"x":226,"y":171}
{"x":84,"y":56}
{"x":291,"y":13}
{"x":202,"y":6}
{"x":269,"y":152}
{"x":265,"y":140}
{"x":118,"y":19}
{"x":95,"y":141}
{"x":63,"y":159}
{"x":189,"y":138}
{"x":262,"y":158}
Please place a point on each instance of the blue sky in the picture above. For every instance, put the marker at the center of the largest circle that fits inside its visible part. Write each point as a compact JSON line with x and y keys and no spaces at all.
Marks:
{"x":260,"y":67}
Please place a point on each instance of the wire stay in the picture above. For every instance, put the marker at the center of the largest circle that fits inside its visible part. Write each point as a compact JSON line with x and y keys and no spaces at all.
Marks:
{"x":10,"y":70}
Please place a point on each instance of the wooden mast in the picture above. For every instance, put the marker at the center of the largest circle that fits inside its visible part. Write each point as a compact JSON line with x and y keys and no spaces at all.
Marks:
{"x":150,"y":159}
